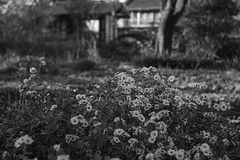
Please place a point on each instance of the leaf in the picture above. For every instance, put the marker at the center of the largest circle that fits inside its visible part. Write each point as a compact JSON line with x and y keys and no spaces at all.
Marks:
{"x":97,"y":156}
{"x":107,"y":158}
{"x":61,"y":152}
{"x":51,"y":157}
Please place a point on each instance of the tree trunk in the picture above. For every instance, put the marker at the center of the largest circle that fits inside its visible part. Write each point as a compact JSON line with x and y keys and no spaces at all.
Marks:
{"x":170,"y":14}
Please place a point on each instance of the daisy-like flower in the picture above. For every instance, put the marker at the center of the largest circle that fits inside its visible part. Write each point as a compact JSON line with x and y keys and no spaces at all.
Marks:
{"x":150,"y":156}
{"x":213,"y":139}
{"x":161,"y":127}
{"x":63,"y":157}
{"x":33,"y":70}
{"x":171,"y":79}
{"x":135,"y":113}
{"x":225,"y":142}
{"x":84,"y":122}
{"x":140,"y":157}
{"x":159,"y":152}
{"x":197,"y":156}
{"x":225,"y":157}
{"x":18,"y":142}
{"x":116,"y":139}
{"x":156,"y":77}
{"x":166,"y":102}
{"x":187,"y":155}
{"x":27,"y":139}
{"x":207,"y":153}
{"x":154,"y":134}
{"x":223,"y":106}
{"x":73,"y":138}
{"x":204,"y":147}
{"x":89,"y":107}
{"x":171,"y":152}
{"x":179,"y":154}
{"x":114,"y":159}
{"x":25,"y":81}
{"x":154,"y":69}
{"x":140,"y":89}
{"x":56,"y":147}
{"x":74,"y":120}
{"x":216,"y":106}
{"x":5,"y":153}
{"x":141,"y":118}
{"x":118,"y":131}
{"x":177,"y":98}
{"x":132,"y":140}
{"x":117,"y":119}
{"x":206,"y":135}
{"x":53,"y":107}
{"x":151,"y":90}
{"x":139,"y":151}
{"x":151,"y":139}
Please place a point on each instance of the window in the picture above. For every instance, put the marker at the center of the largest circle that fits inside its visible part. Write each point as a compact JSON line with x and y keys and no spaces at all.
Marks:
{"x":133,"y":18}
{"x":147,"y":18}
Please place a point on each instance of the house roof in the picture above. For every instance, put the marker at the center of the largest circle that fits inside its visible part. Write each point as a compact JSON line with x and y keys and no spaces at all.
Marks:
{"x":96,"y":9}
{"x":140,"y":5}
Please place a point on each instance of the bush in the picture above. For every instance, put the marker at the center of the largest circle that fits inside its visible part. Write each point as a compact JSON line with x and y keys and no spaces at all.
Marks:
{"x":83,"y":65}
{"x":119,"y":50}
{"x":52,"y":49}
{"x":135,"y":115}
{"x":229,"y":50}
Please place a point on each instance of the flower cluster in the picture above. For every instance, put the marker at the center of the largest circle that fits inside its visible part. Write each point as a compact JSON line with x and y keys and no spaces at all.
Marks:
{"x":23,"y":140}
{"x":142,"y":114}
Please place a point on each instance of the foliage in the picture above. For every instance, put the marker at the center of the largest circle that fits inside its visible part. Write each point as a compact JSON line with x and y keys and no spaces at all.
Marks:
{"x":22,"y":20}
{"x":119,"y":50}
{"x":135,"y":115}
{"x":208,"y":24}
{"x":83,"y":65}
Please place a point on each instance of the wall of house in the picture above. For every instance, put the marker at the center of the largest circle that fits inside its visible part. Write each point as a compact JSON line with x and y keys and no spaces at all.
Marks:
{"x":140,"y":19}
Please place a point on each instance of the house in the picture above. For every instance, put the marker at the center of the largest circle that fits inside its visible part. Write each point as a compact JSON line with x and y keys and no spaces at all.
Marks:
{"x":101,"y":15}
{"x":143,"y":14}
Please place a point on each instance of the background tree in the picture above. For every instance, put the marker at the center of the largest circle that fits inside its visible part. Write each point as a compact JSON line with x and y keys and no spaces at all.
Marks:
{"x":207,"y":26}
{"x":79,"y":13}
{"x":171,"y":11}
{"x":23,"y":19}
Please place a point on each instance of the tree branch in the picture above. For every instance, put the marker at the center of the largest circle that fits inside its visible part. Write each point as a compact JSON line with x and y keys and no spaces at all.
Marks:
{"x":179,"y":8}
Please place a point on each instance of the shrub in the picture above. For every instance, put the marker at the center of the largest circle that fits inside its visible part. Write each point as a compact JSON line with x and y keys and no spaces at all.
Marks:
{"x":119,"y":50}
{"x":229,"y":50}
{"x":135,"y":115}
{"x":83,"y":65}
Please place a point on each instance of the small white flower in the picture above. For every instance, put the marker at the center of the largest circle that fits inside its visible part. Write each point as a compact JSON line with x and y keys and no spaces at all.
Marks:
{"x":63,"y":157}
{"x":25,"y":81}
{"x":4,"y":154}
{"x":74,"y":120}
{"x":89,"y":107}
{"x":117,"y":119}
{"x":179,"y":154}
{"x":151,"y":139}
{"x":204,"y":147}
{"x":118,"y":131}
{"x":154,"y":134}
{"x":116,"y":139}
{"x":56,"y":147}
{"x":53,"y":107}
{"x":33,"y":70}
{"x":171,"y":152}
{"x":150,"y":156}
{"x":27,"y":139}
{"x":18,"y":142}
